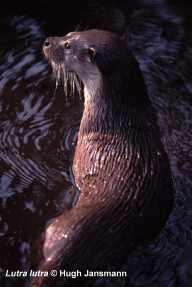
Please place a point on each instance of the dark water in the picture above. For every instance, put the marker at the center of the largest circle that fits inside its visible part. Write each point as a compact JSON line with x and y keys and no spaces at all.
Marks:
{"x":38,"y":130}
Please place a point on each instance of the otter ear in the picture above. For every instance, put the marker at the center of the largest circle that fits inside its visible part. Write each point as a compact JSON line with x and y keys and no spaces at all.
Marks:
{"x":92,"y":54}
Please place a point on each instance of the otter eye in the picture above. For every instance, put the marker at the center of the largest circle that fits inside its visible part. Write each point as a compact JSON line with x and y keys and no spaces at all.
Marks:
{"x":66,"y":45}
{"x":92,"y":53}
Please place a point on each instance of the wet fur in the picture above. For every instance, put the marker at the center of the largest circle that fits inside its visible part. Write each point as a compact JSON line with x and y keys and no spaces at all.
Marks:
{"x":120,"y":166}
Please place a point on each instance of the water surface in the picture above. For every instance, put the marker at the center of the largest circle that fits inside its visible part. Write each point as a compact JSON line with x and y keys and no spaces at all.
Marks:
{"x":38,"y":131}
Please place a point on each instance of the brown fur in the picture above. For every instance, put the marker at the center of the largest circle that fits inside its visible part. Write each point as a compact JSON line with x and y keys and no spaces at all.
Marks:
{"x":120,"y":166}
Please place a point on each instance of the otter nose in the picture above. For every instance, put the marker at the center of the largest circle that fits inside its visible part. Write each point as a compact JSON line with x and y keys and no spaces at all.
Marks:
{"x":47,"y":43}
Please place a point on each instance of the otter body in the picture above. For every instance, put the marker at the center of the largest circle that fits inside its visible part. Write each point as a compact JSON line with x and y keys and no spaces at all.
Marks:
{"x":120,"y":166}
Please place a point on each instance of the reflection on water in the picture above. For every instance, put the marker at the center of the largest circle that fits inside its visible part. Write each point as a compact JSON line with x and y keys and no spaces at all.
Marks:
{"x":38,"y":132}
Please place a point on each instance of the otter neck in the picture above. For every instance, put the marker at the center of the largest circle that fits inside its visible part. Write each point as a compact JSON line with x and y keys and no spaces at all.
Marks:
{"x":111,"y":106}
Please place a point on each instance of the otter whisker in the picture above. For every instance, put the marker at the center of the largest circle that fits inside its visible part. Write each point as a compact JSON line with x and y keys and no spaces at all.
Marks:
{"x":56,"y":74}
{"x":56,"y":86}
{"x":64,"y":82}
{"x":70,"y":82}
{"x":73,"y":85}
{"x":67,"y":85}
{"x":78,"y":85}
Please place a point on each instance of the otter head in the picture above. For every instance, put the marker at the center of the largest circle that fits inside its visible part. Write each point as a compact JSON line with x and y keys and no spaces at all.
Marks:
{"x":91,"y":55}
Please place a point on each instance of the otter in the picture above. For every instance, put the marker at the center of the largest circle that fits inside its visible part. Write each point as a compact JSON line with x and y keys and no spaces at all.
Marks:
{"x":120,"y":166}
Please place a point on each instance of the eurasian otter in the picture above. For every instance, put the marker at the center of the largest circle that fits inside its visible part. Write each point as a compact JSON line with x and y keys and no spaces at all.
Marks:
{"x":120,"y":166}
